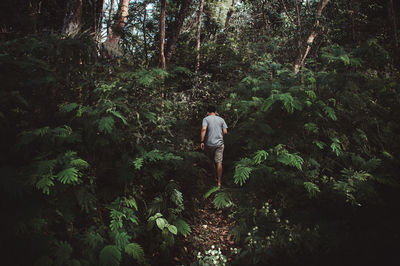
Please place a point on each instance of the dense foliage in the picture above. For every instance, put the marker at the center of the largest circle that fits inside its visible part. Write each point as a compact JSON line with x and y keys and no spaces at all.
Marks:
{"x":100,"y":156}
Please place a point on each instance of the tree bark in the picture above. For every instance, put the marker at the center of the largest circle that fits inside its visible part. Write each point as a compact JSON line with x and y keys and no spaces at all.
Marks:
{"x":392,"y":16}
{"x":229,"y":14}
{"x":171,"y":44}
{"x":162,"y":33}
{"x":109,"y":23}
{"x":299,"y":63}
{"x":118,"y":26}
{"x":199,"y":20}
{"x":144,"y":32}
{"x":73,"y":17}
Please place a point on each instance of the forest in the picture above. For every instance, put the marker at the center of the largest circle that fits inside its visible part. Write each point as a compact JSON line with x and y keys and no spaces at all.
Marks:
{"x":102,"y":103}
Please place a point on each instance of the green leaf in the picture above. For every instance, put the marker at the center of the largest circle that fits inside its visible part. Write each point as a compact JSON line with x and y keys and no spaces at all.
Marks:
{"x":311,"y":127}
{"x":110,"y":256}
{"x":120,"y":116}
{"x":320,"y":144}
{"x":312,"y":189}
{"x":79,"y":163}
{"x":45,"y":183}
{"x":291,"y":159}
{"x":222,"y":199}
{"x":330,"y":112}
{"x":68,"y":175}
{"x":136,"y":251}
{"x":335,"y":146}
{"x":242,"y":171}
{"x":66,"y":108}
{"x":161,"y":223}
{"x":211,"y":191}
{"x":172,"y":229}
{"x":138,"y":163}
{"x":182,"y":227}
{"x":260,"y":156}
{"x":106,"y":124}
{"x":122,"y":239}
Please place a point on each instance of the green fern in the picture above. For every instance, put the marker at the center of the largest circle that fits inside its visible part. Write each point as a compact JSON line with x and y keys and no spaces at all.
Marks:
{"x":106,"y":124}
{"x":45,"y":183}
{"x":260,"y":156}
{"x":120,"y":116}
{"x":222,"y":199}
{"x":291,"y":160}
{"x":110,"y":256}
{"x":242,"y":171}
{"x":68,"y":107}
{"x":136,"y":251}
{"x":211,"y":191}
{"x":63,"y":252}
{"x":312,"y":189}
{"x":92,"y":239}
{"x":122,"y":239}
{"x":182,"y":227}
{"x":336,"y":146}
{"x":68,"y":175}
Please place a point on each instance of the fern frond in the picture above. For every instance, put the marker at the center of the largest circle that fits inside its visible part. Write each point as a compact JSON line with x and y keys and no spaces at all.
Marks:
{"x":45,"y":183}
{"x":92,"y":239}
{"x":242,"y":171}
{"x":106,"y":124}
{"x":136,"y":251}
{"x":122,"y":239}
{"x":222,"y":199}
{"x":110,"y":256}
{"x":291,"y":159}
{"x":68,"y":175}
{"x":120,"y":116}
{"x":312,"y":189}
{"x":211,"y":191}
{"x":68,"y":107}
{"x":182,"y":227}
{"x":260,"y":156}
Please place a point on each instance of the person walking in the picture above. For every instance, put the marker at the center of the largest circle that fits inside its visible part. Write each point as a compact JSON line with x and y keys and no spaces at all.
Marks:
{"x":212,"y":131}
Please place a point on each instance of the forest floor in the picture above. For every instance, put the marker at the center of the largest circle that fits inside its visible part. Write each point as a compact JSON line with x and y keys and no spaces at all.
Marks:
{"x":211,"y":227}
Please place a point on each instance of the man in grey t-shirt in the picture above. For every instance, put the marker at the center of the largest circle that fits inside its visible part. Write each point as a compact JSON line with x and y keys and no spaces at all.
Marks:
{"x":215,"y":127}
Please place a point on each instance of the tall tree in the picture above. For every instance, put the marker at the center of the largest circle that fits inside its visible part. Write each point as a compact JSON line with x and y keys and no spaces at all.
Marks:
{"x":199,"y":20}
{"x":229,"y":14}
{"x":163,"y":4}
{"x":73,"y":17}
{"x":176,"y":29}
{"x":306,"y":47}
{"x":109,"y":23}
{"x":118,"y":25}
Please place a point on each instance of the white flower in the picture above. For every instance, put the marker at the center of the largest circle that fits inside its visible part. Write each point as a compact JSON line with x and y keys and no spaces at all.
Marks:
{"x":212,"y":246}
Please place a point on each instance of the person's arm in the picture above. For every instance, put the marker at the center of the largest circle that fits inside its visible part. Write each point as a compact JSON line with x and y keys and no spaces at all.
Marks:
{"x":203,"y":135}
{"x":224,"y":127}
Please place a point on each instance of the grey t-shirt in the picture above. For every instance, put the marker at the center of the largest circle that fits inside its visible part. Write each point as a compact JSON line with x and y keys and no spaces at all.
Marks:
{"x":214,"y":125}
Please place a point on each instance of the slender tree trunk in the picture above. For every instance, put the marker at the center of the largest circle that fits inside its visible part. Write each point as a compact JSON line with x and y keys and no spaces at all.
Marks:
{"x":314,"y":33}
{"x":392,"y":16}
{"x":229,"y":14}
{"x":199,"y":20}
{"x":73,"y":17}
{"x":162,"y":33}
{"x":110,"y":17}
{"x":144,"y":33}
{"x":118,"y":26}
{"x":171,"y":44}
{"x":264,"y":17}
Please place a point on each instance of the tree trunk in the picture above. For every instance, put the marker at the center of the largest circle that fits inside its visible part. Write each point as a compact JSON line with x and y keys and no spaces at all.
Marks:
{"x":73,"y":17}
{"x":229,"y":14}
{"x":392,"y":16}
{"x":199,"y":20}
{"x":299,"y":63}
{"x":118,"y":26}
{"x":109,"y":23}
{"x":171,"y":44}
{"x":162,"y":33}
{"x":144,"y":32}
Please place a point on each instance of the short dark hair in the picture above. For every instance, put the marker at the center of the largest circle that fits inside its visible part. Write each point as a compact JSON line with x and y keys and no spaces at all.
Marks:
{"x":211,"y":109}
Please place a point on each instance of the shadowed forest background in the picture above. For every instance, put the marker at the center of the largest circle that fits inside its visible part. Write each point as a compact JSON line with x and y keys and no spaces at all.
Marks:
{"x":101,"y":110}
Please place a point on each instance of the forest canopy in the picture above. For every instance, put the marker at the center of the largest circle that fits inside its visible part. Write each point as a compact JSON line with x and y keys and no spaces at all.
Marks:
{"x":101,"y":110}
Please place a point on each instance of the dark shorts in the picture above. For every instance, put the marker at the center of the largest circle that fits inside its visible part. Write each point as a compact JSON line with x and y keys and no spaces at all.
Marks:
{"x":215,"y":153}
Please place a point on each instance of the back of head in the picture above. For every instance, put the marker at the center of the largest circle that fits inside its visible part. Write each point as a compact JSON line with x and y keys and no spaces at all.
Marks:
{"x":211,"y":109}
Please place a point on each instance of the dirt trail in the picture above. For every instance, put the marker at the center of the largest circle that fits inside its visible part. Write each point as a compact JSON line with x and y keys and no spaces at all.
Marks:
{"x":210,"y":227}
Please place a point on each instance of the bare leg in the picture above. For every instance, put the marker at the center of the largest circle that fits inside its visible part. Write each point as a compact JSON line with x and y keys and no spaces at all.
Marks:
{"x":214,"y":171}
{"x":219,"y":171}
